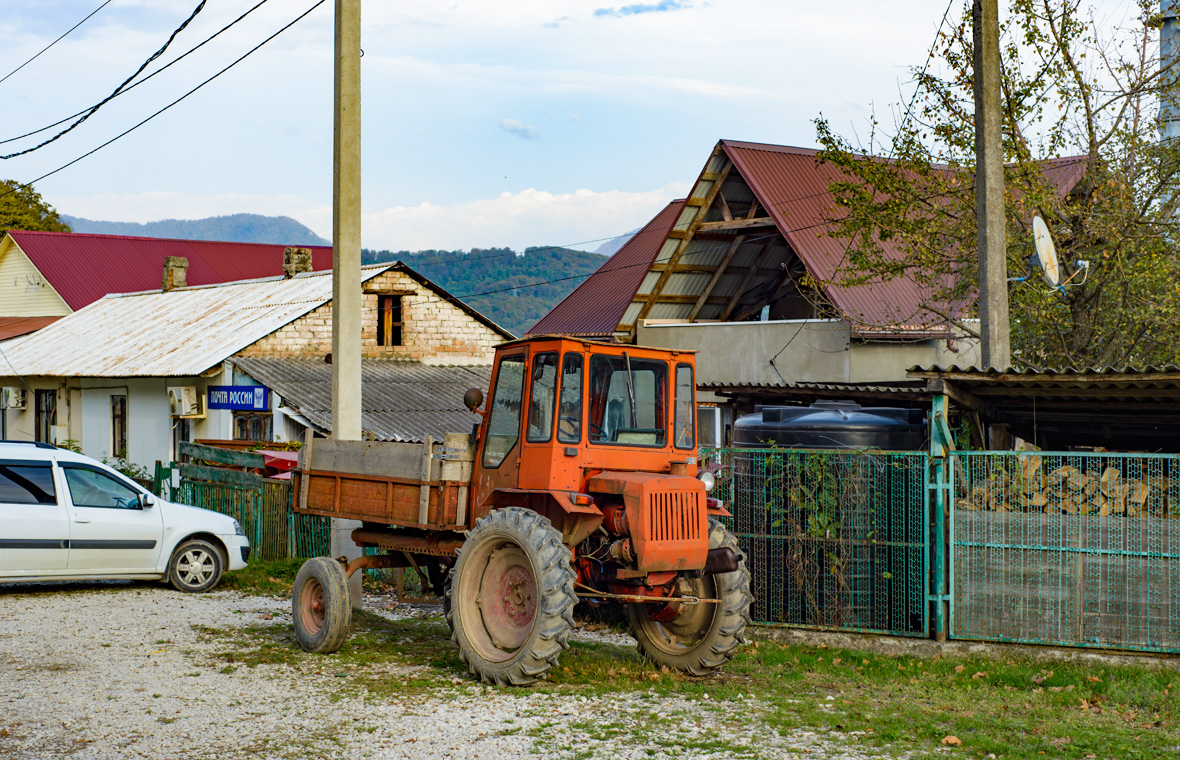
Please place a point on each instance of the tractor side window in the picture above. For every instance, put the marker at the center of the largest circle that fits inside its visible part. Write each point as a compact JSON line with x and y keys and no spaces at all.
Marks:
{"x":628,"y":401}
{"x":684,"y":426}
{"x":569,"y":414}
{"x":542,"y":397}
{"x":504,"y":413}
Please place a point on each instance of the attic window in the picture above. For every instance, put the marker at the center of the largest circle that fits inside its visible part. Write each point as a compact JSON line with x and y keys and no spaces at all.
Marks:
{"x":389,"y":320}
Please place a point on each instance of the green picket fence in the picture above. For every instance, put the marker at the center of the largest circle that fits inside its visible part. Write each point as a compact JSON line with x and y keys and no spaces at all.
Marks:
{"x":1076,"y":549}
{"x":833,"y":539}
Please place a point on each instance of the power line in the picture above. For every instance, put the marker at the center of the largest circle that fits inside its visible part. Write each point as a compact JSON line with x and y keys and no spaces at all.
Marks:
{"x":160,"y":70}
{"x":170,"y":105}
{"x":59,"y":39}
{"x":119,"y":89}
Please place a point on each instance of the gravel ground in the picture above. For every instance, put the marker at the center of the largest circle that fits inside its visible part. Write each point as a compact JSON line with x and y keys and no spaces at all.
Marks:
{"x":117,"y":671}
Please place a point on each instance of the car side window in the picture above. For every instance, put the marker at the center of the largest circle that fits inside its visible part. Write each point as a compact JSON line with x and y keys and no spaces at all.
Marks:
{"x":27,"y":483}
{"x":90,"y":488}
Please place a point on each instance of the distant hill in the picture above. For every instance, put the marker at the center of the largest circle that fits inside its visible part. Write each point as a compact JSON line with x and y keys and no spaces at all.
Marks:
{"x":513,"y":297}
{"x":239,"y":228}
{"x":612,"y":246}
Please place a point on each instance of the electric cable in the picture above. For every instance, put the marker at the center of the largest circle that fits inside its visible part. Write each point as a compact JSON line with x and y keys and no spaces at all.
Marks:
{"x":160,"y":70}
{"x":120,"y":88}
{"x":59,"y":39}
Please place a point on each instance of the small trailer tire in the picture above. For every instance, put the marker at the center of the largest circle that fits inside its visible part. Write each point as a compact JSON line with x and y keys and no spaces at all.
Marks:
{"x":510,"y":597}
{"x":321,"y":605}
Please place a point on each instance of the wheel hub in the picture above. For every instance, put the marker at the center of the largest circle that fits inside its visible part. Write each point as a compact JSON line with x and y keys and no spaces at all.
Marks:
{"x":508,"y":597}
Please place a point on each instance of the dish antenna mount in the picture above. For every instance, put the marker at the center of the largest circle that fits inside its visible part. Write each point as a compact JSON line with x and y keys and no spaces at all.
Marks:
{"x":1046,"y":258}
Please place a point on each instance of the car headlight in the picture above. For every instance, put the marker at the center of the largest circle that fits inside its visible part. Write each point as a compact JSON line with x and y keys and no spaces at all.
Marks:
{"x":708,"y":479}
{"x":238,"y":529}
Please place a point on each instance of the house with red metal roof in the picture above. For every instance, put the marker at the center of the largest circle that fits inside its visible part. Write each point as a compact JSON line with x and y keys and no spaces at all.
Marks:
{"x":46,"y":275}
{"x":745,"y":271}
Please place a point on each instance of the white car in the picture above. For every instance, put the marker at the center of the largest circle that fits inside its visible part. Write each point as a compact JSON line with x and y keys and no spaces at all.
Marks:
{"x":65,"y":516}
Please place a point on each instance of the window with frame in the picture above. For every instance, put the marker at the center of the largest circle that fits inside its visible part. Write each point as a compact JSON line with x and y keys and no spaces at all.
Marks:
{"x":389,"y":320}
{"x":118,"y":426}
{"x":27,"y":483}
{"x":569,"y":413}
{"x":45,"y":415}
{"x":253,"y":426}
{"x":683,"y":424}
{"x":504,"y":411}
{"x":628,"y":401}
{"x":91,"y":488}
{"x":542,"y":397}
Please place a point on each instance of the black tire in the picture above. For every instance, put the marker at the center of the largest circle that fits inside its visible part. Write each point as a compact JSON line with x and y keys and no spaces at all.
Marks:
{"x":704,"y":636}
{"x":196,"y":566}
{"x":321,"y":605}
{"x":515,"y":636}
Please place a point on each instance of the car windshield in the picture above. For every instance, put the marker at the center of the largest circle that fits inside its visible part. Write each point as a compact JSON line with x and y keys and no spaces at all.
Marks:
{"x":628,"y":401}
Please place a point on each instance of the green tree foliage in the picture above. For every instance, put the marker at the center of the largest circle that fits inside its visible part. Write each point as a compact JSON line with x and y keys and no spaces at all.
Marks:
{"x":1078,"y":96}
{"x":22,"y":208}
{"x":513,"y":290}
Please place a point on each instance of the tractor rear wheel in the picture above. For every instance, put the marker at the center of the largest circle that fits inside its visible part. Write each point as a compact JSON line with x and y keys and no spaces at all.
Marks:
{"x":703,"y":636}
{"x":510,"y":597}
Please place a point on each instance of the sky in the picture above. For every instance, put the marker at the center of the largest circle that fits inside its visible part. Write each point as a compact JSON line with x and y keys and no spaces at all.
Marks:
{"x":485,"y":123}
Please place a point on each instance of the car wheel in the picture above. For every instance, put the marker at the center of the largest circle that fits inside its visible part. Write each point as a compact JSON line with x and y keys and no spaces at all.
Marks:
{"x":196,"y":566}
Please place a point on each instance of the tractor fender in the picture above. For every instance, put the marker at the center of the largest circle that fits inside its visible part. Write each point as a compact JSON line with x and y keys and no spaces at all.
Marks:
{"x":575,"y":521}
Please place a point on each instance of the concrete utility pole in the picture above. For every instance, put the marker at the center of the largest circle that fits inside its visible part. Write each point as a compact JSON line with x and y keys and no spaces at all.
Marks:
{"x":989,"y":187}
{"x":346,"y":256}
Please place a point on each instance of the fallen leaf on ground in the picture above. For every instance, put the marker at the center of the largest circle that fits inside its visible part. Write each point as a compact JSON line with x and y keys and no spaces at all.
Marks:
{"x":951,"y":741}
{"x":979,"y":675}
{"x":959,"y":668}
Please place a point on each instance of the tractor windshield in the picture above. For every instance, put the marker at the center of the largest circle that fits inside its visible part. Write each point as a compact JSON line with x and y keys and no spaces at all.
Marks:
{"x":628,"y":401}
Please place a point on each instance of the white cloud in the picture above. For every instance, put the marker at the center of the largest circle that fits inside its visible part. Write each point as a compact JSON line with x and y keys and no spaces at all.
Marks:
{"x":581,"y":219}
{"x":512,"y":126}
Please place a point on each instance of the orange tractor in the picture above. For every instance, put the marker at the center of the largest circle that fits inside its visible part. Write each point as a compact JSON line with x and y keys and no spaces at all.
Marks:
{"x":579,"y":482}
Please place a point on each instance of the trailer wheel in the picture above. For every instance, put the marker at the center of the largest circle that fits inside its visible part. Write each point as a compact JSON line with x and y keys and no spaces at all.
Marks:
{"x":321,"y":605}
{"x":703,"y":636}
{"x":510,"y":597}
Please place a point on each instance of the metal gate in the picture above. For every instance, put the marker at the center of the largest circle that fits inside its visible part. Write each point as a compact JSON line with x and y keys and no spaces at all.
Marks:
{"x":1076,"y":549}
{"x":833,"y":539}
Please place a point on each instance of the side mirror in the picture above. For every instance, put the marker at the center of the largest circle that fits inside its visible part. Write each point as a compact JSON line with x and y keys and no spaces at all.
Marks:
{"x":473,"y":398}
{"x":146,"y":500}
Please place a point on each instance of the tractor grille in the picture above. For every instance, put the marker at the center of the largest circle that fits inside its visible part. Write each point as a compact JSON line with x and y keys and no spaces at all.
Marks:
{"x":675,"y":516}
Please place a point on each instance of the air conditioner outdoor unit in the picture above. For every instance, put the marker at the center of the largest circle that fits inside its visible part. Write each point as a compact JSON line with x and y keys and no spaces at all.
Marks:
{"x":183,"y":401}
{"x":13,"y":398}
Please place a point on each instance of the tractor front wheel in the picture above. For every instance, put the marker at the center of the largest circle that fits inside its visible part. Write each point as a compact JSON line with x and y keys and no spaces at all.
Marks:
{"x":510,"y":597}
{"x":703,"y":636}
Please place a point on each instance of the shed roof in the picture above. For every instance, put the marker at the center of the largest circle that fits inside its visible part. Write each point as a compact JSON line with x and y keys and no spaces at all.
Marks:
{"x":181,"y":333}
{"x":400,"y":400}
{"x":83,"y":268}
{"x":1118,"y":408}
{"x":595,"y":308}
{"x":13,"y":327}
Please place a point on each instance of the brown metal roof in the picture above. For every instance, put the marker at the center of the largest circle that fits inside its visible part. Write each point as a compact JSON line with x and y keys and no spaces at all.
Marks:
{"x":11,"y":327}
{"x":594,"y":308}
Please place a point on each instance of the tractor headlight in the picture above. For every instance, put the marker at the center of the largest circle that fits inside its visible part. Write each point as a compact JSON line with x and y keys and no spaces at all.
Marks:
{"x":238,"y":528}
{"x":708,"y":479}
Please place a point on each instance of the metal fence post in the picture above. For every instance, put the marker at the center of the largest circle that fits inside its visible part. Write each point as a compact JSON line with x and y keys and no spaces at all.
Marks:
{"x":941,"y":445}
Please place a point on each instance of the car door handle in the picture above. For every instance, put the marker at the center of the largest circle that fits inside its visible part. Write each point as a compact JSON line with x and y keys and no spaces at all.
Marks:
{"x":81,"y":519}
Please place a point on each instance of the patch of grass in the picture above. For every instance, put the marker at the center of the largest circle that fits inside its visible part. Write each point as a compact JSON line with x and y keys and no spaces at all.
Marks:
{"x":273,"y":577}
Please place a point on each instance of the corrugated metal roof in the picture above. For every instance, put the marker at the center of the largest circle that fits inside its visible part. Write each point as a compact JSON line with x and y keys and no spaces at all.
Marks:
{"x":12,"y":327}
{"x":183,"y":332}
{"x":1108,"y":373}
{"x":596,"y":306}
{"x":83,"y":268}
{"x":400,"y":400}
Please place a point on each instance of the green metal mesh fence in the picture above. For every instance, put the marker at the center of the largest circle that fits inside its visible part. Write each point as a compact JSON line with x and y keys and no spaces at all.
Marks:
{"x":833,"y":539}
{"x":265,"y":514}
{"x":1071,"y":549}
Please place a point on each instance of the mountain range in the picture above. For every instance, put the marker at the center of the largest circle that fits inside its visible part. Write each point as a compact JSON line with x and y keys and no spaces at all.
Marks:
{"x":239,"y":228}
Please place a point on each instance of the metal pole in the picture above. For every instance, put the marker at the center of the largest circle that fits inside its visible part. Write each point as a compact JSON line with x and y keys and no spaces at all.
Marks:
{"x":346,"y":254}
{"x":989,"y":187}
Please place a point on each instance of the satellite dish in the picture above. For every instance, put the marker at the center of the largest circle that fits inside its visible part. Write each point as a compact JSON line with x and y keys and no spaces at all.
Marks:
{"x":1046,"y":253}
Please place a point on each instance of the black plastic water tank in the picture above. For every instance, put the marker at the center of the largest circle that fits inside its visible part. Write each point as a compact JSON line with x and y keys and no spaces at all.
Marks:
{"x":831,"y":425}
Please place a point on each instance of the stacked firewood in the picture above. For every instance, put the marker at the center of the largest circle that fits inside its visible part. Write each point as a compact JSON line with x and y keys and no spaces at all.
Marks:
{"x":1068,"y":490}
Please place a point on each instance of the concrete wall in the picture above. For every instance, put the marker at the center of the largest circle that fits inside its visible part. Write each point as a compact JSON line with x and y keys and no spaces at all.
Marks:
{"x":802,"y":351}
